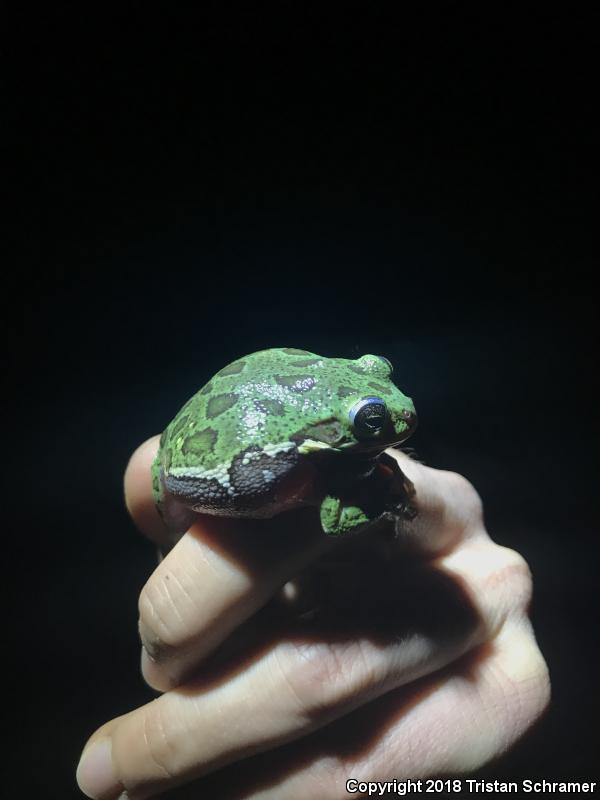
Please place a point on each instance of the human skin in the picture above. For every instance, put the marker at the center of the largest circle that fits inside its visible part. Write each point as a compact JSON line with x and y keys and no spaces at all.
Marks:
{"x":380,"y":658}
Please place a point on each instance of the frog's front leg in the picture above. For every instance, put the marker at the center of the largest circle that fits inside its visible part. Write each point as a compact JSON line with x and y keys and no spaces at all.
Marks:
{"x":401,"y":490}
{"x":338,"y":519}
{"x":385,"y":493}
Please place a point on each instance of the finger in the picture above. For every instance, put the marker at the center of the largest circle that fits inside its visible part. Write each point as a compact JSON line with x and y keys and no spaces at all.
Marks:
{"x":449,"y":509}
{"x":449,"y":724}
{"x":217,"y":576}
{"x":298,"y":686}
{"x":138,"y":494}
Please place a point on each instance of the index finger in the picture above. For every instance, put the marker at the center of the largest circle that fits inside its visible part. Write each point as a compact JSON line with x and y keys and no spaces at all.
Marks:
{"x":138,"y":494}
{"x":217,"y":576}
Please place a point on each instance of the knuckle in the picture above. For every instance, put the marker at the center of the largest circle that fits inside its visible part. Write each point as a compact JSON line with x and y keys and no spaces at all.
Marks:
{"x":512,"y":577}
{"x":322,"y":677}
{"x":502,"y":585}
{"x":522,"y":679}
{"x":160,"y":621}
{"x":463,"y":491}
{"x":540,"y":687}
{"x":498,"y":581}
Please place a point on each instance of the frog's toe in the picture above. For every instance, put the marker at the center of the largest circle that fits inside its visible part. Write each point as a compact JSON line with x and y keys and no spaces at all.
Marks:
{"x":330,"y":513}
{"x":338,"y":519}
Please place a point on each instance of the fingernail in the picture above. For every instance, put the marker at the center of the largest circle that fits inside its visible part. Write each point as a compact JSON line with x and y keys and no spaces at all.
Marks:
{"x":95,"y":773}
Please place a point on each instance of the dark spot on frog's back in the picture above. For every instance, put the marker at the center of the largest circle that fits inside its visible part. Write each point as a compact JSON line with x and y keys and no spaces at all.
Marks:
{"x":292,"y":351}
{"x":379,"y":388}
{"x":201,"y":442}
{"x":305,"y":362}
{"x":296,"y":383}
{"x":345,"y":391}
{"x":274,"y":408}
{"x":220,"y":403}
{"x":232,"y":369}
{"x":207,"y":389}
{"x":329,"y":431}
{"x":358,"y":370}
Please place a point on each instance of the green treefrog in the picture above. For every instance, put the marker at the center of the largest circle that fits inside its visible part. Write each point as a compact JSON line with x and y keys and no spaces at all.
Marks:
{"x":285,"y":428}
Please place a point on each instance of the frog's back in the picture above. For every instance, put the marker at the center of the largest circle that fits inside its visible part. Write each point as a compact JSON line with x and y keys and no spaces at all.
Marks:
{"x":264,"y":400}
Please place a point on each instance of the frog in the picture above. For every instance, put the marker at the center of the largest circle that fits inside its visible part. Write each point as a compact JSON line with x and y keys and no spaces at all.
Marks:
{"x":284,"y":428}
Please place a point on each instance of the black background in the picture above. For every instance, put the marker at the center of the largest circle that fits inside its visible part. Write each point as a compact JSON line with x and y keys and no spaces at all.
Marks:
{"x":186,"y":189}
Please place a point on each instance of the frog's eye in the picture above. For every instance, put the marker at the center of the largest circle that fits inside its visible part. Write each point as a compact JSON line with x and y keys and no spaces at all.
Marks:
{"x":387,"y":362}
{"x":368,"y":417}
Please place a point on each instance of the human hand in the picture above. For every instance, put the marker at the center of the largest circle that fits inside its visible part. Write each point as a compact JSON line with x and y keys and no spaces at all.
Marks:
{"x":381,"y":658}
